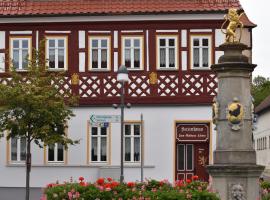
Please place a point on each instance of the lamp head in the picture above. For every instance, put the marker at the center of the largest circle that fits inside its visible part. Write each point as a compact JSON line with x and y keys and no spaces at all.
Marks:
{"x":122,"y":74}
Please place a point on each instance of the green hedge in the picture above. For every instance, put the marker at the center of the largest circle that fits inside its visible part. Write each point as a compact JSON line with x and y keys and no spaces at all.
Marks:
{"x":265,"y":187}
{"x":108,"y":189}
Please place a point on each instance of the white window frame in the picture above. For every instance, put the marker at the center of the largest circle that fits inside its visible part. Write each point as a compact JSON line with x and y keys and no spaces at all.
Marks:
{"x":132,"y":38}
{"x":176,"y":56}
{"x":56,"y":154}
{"x":29,"y":39}
{"x":99,"y":38}
{"x":132,"y":137}
{"x":57,"y":38}
{"x":99,"y":136}
{"x":200,"y":37}
{"x":18,"y":151}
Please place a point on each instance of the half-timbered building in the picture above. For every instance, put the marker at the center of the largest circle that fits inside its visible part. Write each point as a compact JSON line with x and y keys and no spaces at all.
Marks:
{"x":168,"y":47}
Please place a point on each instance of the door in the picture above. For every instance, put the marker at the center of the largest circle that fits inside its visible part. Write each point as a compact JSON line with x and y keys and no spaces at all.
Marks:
{"x":191,"y":159}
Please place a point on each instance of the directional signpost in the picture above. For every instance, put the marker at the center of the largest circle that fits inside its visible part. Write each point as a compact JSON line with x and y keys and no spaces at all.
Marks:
{"x":104,"y":120}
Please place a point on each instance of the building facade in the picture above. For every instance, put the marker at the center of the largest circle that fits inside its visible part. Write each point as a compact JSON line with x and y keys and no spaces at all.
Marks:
{"x":262,"y":135}
{"x":168,"y":49}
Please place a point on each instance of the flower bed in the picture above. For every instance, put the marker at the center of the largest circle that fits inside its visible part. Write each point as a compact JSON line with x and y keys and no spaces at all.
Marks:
{"x":108,"y":189}
{"x":265,"y":186}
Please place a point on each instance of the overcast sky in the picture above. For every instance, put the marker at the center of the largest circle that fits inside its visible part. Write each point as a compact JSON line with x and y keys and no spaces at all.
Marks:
{"x":258,"y":12}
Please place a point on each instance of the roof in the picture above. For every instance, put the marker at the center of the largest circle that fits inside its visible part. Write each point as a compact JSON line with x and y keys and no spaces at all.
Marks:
{"x":244,"y":18}
{"x":263,"y":106}
{"x":111,"y":7}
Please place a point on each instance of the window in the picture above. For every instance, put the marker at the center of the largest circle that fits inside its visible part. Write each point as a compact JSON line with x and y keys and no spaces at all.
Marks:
{"x":18,"y":149}
{"x":99,"y":144}
{"x":167,"y":52}
{"x":56,"y":153}
{"x":200,"y":52}
{"x":132,"y":52}
{"x":99,"y":53}
{"x":56,"y":52}
{"x":132,"y":143}
{"x":20,"y":52}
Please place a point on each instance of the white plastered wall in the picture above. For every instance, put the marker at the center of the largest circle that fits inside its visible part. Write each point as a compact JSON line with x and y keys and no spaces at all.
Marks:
{"x":158,"y":144}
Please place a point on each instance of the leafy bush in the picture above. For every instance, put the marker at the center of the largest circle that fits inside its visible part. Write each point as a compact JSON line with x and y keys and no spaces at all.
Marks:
{"x":265,"y":187}
{"x":108,"y":189}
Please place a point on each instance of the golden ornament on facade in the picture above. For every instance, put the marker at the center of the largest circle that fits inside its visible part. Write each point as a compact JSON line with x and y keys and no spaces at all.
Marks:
{"x":202,"y":161}
{"x":75,"y":79}
{"x":153,"y":78}
{"x":215,"y":110}
{"x":235,"y":114}
{"x":234,"y":22}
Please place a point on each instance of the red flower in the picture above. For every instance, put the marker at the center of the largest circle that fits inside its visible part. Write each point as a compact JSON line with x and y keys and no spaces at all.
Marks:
{"x":109,"y":179}
{"x":107,"y":185}
{"x":195,"y":177}
{"x":114,"y":184}
{"x":161,"y":183}
{"x":188,"y":181}
{"x":130,"y":184}
{"x":50,"y":185}
{"x":100,"y":181}
{"x":81,"y":178}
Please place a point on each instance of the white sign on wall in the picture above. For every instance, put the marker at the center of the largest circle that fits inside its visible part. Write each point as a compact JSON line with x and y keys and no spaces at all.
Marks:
{"x":104,"y":120}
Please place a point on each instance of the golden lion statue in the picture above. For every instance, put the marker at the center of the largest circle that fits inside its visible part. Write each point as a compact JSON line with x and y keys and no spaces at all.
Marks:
{"x":234,"y":23}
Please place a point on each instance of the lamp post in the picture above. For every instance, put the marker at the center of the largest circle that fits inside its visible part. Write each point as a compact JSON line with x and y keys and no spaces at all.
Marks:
{"x":122,"y":77}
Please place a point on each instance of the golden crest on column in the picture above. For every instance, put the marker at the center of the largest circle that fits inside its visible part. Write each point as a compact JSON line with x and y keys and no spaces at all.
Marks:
{"x":235,"y":114}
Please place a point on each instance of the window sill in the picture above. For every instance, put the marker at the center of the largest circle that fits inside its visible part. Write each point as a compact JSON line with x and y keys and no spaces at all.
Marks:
{"x":201,"y":69}
{"x":133,"y":69}
{"x":99,"y":70}
{"x":56,"y":70}
{"x":21,"y":165}
{"x":167,"y":69}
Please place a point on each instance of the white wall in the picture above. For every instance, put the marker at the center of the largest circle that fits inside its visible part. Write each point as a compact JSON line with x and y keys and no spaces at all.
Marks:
{"x":159,"y":148}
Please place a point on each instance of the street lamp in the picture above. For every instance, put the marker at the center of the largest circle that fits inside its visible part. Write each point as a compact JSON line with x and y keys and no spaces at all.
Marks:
{"x":122,"y":77}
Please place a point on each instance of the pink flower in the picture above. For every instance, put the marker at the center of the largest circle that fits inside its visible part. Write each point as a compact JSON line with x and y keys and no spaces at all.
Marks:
{"x":70,"y":195}
{"x":77,"y":195}
{"x":81,"y":178}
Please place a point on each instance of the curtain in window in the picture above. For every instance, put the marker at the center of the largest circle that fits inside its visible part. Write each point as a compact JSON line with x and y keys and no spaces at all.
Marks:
{"x":127,"y":149}
{"x":136,"y":58}
{"x":94,"y":149}
{"x":104,"y":58}
{"x":103,"y":149}
{"x":127,"y":58}
{"x":60,"y":152}
{"x":171,"y":57}
{"x":205,"y":57}
{"x":16,"y":59}
{"x":51,"y":58}
{"x":137,"y":148}
{"x":51,"y":152}
{"x":23,"y":149}
{"x":14,"y":149}
{"x":61,"y":58}
{"x":196,"y":57}
{"x":162,"y":57}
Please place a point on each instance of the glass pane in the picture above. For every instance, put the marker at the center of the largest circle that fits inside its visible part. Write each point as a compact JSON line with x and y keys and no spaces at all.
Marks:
{"x":52,"y":58}
{"x":171,"y":57}
{"x":162,"y":42}
{"x":103,"y":149}
{"x":127,"y":149}
{"x":196,"y":42}
{"x":162,"y":57}
{"x":127,"y":43}
{"x":60,"y":152}
{"x":95,"y":43}
{"x":137,"y":148}
{"x":127,"y":58}
{"x":196,"y":57}
{"x":52,"y":43}
{"x":180,"y":157}
{"x":103,"y":131}
{"x":103,"y":43}
{"x":23,"y":149}
{"x":189,"y":157}
{"x":25,"y":44}
{"x":61,"y":58}
{"x":51,"y":152}
{"x":94,"y":149}
{"x":61,"y":43}
{"x":94,"y":130}
{"x":16,"y":59}
{"x":127,"y":129}
{"x":136,"y":43}
{"x":15,"y":43}
{"x":205,"y":57}
{"x":104,"y":58}
{"x":14,"y":149}
{"x":137,"y":129}
{"x":171,"y":42}
{"x":24,"y":59}
{"x":136,"y":58}
{"x":95,"y":58}
{"x":205,"y":42}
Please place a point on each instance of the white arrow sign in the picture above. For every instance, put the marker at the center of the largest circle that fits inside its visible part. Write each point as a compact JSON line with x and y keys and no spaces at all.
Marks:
{"x":105,"y":119}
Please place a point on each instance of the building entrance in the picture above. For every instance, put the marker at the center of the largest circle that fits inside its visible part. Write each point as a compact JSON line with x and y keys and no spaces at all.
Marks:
{"x":192,"y":150}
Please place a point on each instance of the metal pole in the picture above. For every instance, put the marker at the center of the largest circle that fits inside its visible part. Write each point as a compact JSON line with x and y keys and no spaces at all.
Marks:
{"x":142,"y":142}
{"x":122,"y":132}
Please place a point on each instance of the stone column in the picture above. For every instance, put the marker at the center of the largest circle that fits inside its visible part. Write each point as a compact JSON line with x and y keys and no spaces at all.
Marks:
{"x":234,"y":172}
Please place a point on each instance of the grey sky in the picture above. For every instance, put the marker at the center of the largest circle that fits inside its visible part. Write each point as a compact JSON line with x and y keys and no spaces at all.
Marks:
{"x":258,"y":12}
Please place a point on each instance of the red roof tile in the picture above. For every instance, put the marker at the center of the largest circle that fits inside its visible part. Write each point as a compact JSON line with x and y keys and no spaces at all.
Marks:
{"x":263,"y":106}
{"x":112,"y":7}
